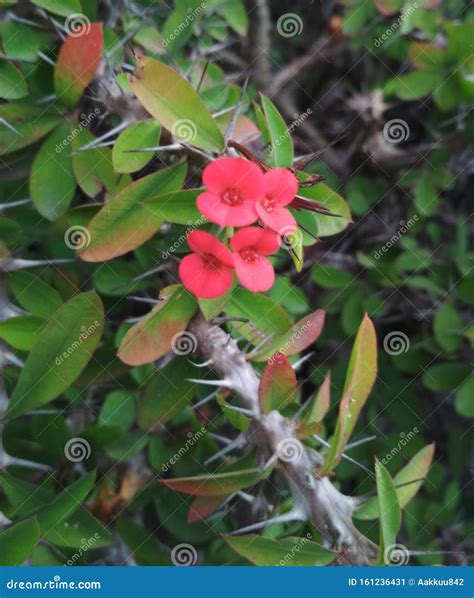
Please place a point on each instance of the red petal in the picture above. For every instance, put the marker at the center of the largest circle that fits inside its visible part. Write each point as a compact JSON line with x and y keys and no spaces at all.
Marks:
{"x":215,"y":210}
{"x":234,"y":173}
{"x":280,"y":185}
{"x":264,"y":241}
{"x":204,"y":282}
{"x":280,"y":220}
{"x":255,"y":276}
{"x":201,"y":241}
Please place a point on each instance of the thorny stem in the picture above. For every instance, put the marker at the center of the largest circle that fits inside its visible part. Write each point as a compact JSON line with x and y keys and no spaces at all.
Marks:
{"x":321,"y":503}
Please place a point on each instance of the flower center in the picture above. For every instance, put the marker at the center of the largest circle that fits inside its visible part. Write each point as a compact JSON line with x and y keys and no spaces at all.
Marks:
{"x":210,"y":261}
{"x":231,"y":197}
{"x":268,"y":203}
{"x":249,"y":255}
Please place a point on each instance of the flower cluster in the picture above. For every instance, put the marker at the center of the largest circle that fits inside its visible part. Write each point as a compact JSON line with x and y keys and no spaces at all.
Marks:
{"x":239,"y":194}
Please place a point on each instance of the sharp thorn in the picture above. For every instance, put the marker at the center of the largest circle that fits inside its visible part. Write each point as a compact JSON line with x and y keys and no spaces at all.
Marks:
{"x":217,"y":383}
{"x":302,"y":360}
{"x":5,"y":123}
{"x":359,"y":442}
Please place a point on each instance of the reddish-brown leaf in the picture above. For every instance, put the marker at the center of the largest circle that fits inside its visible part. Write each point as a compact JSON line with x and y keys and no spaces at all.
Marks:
{"x":78,"y":60}
{"x":278,"y":384}
{"x":203,"y":506}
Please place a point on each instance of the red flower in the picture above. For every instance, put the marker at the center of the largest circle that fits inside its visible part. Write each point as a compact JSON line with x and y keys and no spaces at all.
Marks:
{"x":251,"y":245}
{"x":280,"y":188}
{"x":208,"y":272}
{"x":233,"y":186}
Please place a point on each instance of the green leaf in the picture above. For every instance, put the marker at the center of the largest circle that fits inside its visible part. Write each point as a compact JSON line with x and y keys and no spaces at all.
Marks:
{"x":80,"y":530}
{"x":12,"y":83}
{"x":146,"y":549}
{"x":178,"y":207}
{"x":444,"y":377}
{"x":426,"y":196}
{"x":464,"y":399}
{"x":331,"y":278}
{"x":93,"y":168}
{"x":33,"y":294}
{"x":360,"y":377}
{"x":447,"y":326}
{"x":414,"y":86}
{"x":125,"y":222}
{"x":119,"y":410}
{"x":235,"y":14}
{"x":406,"y":486}
{"x":21,"y":332}
{"x":143,"y":134}
{"x":60,"y":7}
{"x":281,"y":143}
{"x":21,"y":42}
{"x":65,"y":504}
{"x":30,"y":122}
{"x":267,"y":318}
{"x":167,"y":394}
{"x":285,"y":552}
{"x":278,"y":384}
{"x":318,"y":224}
{"x":52,"y":183}
{"x":163,"y":329}
{"x":17,"y":542}
{"x":389,"y":510}
{"x":61,"y":352}
{"x":176,"y":105}
{"x":322,"y":402}
{"x":217,"y":484}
